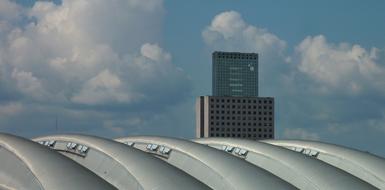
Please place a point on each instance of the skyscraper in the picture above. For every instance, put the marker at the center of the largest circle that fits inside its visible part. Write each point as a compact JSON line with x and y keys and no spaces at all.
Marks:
{"x":235,"y":110}
{"x":235,"y":74}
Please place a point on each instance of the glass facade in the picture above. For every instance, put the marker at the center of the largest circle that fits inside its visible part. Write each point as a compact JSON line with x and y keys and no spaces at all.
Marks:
{"x":235,"y":74}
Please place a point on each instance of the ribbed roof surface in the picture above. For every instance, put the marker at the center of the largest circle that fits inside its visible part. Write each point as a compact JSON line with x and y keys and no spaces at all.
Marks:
{"x":146,"y":162}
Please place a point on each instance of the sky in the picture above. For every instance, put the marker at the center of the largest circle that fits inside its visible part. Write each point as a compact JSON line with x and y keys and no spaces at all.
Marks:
{"x":134,"y":67}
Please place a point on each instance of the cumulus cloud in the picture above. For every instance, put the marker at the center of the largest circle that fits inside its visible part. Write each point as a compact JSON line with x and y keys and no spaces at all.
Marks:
{"x":342,"y":67}
{"x":92,"y":54}
{"x":299,"y":133}
{"x":75,"y":53}
{"x":228,"y":31}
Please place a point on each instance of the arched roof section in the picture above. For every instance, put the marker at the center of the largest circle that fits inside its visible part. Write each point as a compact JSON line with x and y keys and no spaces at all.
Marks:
{"x":300,"y":170}
{"x":364,"y":165}
{"x":123,"y":166}
{"x":215,"y":168}
{"x":52,"y":170}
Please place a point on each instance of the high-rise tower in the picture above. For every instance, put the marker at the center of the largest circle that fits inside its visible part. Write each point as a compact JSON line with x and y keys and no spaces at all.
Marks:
{"x":235,"y":74}
{"x":235,"y":110}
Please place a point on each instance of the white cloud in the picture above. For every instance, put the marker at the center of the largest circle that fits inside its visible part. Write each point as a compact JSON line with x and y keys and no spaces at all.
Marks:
{"x":90,"y":52}
{"x":86,"y":62}
{"x":103,"y":88}
{"x":155,"y":53}
{"x":11,"y":108}
{"x":28,"y":84}
{"x":377,"y":123}
{"x":299,"y":133}
{"x":228,"y":31}
{"x":9,"y":10}
{"x":341,"y":67}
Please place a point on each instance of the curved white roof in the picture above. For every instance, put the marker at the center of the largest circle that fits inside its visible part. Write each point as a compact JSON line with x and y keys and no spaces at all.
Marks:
{"x":88,"y":162}
{"x":300,"y":170}
{"x":36,"y":167}
{"x":364,"y":165}
{"x":137,"y":164}
{"x":215,"y":168}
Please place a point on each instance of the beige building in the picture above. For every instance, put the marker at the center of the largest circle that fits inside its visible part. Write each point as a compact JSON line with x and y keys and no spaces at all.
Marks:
{"x":237,"y":117}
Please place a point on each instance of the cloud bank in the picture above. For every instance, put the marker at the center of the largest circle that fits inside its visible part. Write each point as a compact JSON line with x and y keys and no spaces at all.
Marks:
{"x":97,"y":55}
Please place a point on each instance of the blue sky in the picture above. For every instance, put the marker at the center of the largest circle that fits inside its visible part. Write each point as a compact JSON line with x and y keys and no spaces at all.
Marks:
{"x":128,"y":67}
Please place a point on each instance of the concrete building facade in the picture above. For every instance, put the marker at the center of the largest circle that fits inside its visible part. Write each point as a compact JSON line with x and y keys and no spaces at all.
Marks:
{"x":236,"y":117}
